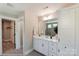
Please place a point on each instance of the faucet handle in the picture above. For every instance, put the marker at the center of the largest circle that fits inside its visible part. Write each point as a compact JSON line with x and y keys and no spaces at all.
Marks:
{"x":65,"y":47}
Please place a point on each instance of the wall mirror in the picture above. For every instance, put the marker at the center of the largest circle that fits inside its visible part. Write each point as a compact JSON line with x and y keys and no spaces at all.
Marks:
{"x":51,"y":27}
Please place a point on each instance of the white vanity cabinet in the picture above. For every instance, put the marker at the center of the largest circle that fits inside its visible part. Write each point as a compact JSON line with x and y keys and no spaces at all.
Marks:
{"x":40,"y":45}
{"x":44,"y":46}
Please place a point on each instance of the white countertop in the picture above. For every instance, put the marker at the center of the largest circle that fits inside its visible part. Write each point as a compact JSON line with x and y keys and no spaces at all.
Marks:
{"x":54,"y":39}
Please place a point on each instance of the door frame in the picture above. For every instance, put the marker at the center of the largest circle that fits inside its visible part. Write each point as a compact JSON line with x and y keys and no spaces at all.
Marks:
{"x":20,"y":22}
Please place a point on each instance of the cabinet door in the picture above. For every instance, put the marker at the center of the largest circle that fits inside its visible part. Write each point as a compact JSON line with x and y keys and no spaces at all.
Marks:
{"x":66,"y":30}
{"x":43,"y":46}
{"x":36,"y":44}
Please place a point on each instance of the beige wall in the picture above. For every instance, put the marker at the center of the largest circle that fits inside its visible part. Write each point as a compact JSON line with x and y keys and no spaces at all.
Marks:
{"x":41,"y":26}
{"x":30,"y":22}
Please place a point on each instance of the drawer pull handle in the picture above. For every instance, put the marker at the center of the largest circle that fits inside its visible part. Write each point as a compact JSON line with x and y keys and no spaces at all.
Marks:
{"x":58,"y":50}
{"x":42,"y":45}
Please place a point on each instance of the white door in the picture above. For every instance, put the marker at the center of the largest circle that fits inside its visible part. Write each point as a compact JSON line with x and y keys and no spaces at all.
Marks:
{"x":17,"y":31}
{"x":21,"y":33}
{"x":77,"y":31}
{"x":66,"y":32}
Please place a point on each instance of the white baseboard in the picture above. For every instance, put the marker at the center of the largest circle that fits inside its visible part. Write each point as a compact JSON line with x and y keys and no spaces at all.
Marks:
{"x":26,"y":53}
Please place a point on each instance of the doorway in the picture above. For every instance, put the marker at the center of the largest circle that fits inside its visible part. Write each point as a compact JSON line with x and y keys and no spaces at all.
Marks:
{"x":8,"y":35}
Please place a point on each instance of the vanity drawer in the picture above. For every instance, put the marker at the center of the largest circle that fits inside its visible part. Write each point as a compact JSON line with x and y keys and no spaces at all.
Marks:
{"x":52,"y":44}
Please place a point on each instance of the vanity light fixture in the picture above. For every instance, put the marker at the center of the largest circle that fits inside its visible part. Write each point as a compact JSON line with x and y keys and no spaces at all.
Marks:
{"x":47,"y":17}
{"x":50,"y":17}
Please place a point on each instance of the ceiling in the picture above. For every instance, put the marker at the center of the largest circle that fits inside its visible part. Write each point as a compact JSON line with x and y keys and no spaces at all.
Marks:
{"x":13,"y":9}
{"x":17,"y":9}
{"x":47,"y":8}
